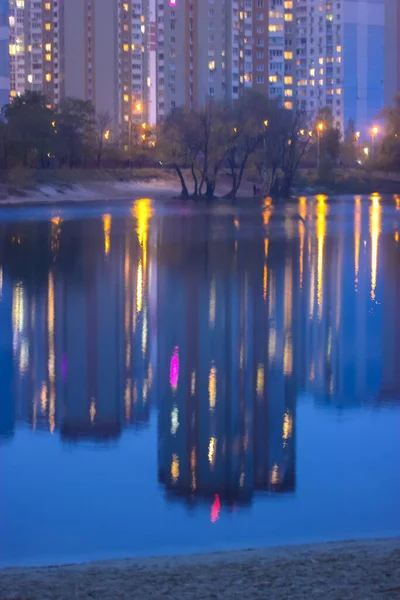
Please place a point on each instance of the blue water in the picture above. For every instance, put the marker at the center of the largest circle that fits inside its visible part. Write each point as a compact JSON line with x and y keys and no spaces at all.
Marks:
{"x":177,"y":380}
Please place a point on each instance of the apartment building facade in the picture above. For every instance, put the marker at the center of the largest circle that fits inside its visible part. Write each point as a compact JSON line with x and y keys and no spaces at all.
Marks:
{"x":213,"y":48}
{"x":4,"y":61}
{"x":392,"y":50}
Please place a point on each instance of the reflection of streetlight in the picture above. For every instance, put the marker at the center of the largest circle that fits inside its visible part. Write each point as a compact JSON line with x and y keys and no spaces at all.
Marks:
{"x":320,"y":128}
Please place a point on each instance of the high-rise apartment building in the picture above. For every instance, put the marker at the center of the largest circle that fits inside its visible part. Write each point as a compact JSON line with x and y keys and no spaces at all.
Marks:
{"x":4,"y":61}
{"x":392,"y":50}
{"x":90,"y":49}
{"x":213,"y":48}
{"x":339,"y":58}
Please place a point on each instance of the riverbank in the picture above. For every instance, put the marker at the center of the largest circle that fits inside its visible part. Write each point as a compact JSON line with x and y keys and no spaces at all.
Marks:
{"x":70,"y":186}
{"x":358,"y":570}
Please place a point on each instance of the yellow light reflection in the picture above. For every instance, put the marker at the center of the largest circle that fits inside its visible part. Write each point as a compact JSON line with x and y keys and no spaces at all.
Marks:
{"x":92,"y":410}
{"x":128,"y":400}
{"x":287,"y":427}
{"x":43,"y":398}
{"x":212,"y":387}
{"x":396,"y":238}
{"x":302,"y":233}
{"x":193,"y":463}
{"x":275,"y":475}
{"x":267,"y":210}
{"x":322,"y":211}
{"x":374,"y":229}
{"x":143,"y":211}
{"x":212,"y":451}
{"x":107,"y":230}
{"x":139,"y":287}
{"x":175,"y":468}
{"x":288,"y":355}
{"x":260,"y":380}
{"x":265,"y":283}
{"x":357,"y":237}
{"x":397,"y":200}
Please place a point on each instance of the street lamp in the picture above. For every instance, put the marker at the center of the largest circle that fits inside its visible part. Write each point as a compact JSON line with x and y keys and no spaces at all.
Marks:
{"x":320,"y":128}
{"x":266,"y":122}
{"x":107,"y":134}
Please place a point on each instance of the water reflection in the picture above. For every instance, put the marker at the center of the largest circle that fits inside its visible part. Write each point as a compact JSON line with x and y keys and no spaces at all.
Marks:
{"x":216,"y":321}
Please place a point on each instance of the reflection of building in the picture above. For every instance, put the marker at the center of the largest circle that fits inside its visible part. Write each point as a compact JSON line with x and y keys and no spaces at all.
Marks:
{"x":7,"y":409}
{"x":80,"y":341}
{"x":226,"y":411}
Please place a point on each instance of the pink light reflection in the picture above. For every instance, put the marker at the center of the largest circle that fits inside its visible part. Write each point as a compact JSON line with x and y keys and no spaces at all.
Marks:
{"x":172,"y":2}
{"x":174,"y":369}
{"x":215,"y":508}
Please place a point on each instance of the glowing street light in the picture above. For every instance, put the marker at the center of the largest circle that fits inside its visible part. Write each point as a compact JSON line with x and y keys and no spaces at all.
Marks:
{"x":320,"y":128}
{"x":366,"y":151}
{"x":266,"y":122}
{"x":374,"y":133}
{"x":107,"y":134}
{"x":144,"y":125}
{"x":357,"y":135}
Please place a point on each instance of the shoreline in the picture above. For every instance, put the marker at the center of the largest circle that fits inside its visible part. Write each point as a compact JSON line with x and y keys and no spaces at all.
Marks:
{"x":354,"y":570}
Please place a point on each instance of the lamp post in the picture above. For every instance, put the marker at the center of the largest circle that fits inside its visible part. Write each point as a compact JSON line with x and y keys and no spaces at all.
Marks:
{"x":320,"y":128}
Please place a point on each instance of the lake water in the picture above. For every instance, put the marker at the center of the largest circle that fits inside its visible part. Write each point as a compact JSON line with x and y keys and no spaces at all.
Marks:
{"x":180,"y":380}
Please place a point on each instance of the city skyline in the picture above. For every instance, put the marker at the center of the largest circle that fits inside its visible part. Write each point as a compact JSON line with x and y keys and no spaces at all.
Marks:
{"x":138,"y":60}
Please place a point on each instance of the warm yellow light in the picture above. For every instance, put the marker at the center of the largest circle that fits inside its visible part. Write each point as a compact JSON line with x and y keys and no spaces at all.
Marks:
{"x":107,"y":134}
{"x":266,"y":122}
{"x":138,"y":106}
{"x":375,"y":130}
{"x":366,"y":151}
{"x":357,"y":135}
{"x":144,"y":125}
{"x":107,"y":230}
{"x":48,"y":47}
{"x":375,"y":230}
{"x":212,"y":450}
{"x":320,"y":126}
{"x":175,"y":468}
{"x":143,"y":136}
{"x":48,"y":76}
{"x":322,"y":211}
{"x":47,"y":6}
{"x":212,"y":388}
{"x":48,"y":26}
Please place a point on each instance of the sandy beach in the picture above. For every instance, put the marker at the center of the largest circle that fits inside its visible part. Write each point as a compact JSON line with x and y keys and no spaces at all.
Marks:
{"x":362,"y":570}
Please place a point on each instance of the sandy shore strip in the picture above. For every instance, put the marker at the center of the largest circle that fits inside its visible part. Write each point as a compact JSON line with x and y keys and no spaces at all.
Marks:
{"x":362,"y":570}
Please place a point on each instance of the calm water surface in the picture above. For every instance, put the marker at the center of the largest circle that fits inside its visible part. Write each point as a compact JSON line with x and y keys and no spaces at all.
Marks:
{"x":179,"y":381}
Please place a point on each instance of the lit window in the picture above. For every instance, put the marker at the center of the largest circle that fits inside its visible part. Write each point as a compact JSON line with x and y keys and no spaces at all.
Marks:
{"x":47,"y":5}
{"x":13,"y":93}
{"x":275,"y":28}
{"x":321,"y":82}
{"x":30,"y":78}
{"x":338,"y":91}
{"x":126,"y":98}
{"x":288,"y":92}
{"x":288,"y":55}
{"x":48,"y":26}
{"x":312,"y":72}
{"x":125,"y":6}
{"x":338,"y":48}
{"x":312,"y":82}
{"x":288,"y":4}
{"x":48,"y":48}
{"x":288,"y":80}
{"x":321,"y":60}
{"x":126,"y":47}
{"x":338,"y":59}
{"x":211,"y":65}
{"x":11,"y":49}
{"x":48,"y":56}
{"x":288,"y":105}
{"x":273,"y":78}
{"x":48,"y":76}
{"x":126,"y":118}
{"x":321,"y":71}
{"x":288,"y":17}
